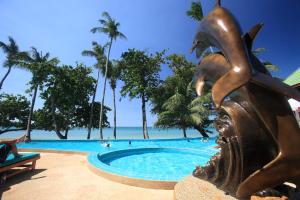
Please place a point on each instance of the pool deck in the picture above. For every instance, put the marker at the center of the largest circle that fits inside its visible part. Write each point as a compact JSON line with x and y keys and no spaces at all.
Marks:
{"x":66,"y":176}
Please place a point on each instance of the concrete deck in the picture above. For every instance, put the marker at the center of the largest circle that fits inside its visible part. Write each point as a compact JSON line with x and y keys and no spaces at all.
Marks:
{"x":66,"y":176}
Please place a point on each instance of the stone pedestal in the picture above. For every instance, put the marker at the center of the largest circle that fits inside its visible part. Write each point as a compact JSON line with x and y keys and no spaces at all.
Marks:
{"x":192,"y":188}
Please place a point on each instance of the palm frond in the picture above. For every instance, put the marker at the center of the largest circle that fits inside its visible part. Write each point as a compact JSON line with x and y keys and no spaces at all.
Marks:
{"x":4,"y":47}
{"x":121,"y":36}
{"x":103,"y":22}
{"x":258,"y":51}
{"x":195,"y":11}
{"x":35,"y":54}
{"x":88,"y":53}
{"x":107,"y":16}
{"x":270,"y":66}
{"x":46,"y":57}
{"x":95,"y":29}
{"x":12,"y":43}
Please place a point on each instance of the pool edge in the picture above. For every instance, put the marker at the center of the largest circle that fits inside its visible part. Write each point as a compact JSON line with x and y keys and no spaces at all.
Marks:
{"x":150,"y":184}
{"x":52,"y":151}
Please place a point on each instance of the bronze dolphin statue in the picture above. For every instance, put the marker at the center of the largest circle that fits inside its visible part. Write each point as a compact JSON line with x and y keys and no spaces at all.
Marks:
{"x":267,"y":96}
{"x":220,"y":29}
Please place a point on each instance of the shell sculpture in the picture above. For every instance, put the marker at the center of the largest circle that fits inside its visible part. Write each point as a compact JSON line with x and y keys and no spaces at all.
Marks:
{"x":259,"y":138}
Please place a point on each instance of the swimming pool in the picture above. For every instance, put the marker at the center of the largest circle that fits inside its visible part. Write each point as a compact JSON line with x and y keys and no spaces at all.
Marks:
{"x":164,"y":164}
{"x":162,"y":160}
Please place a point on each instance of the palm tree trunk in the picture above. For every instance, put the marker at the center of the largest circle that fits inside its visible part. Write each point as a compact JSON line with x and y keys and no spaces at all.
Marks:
{"x":145,"y":130}
{"x":184,"y":132}
{"x":92,"y":107}
{"x":5,"y":76}
{"x":103,"y":94}
{"x":201,"y":131}
{"x":58,"y":133}
{"x":28,"y":130}
{"x":115,"y":113}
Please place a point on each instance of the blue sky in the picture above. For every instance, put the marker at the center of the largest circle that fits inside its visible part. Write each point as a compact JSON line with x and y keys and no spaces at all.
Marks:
{"x":62,"y":27}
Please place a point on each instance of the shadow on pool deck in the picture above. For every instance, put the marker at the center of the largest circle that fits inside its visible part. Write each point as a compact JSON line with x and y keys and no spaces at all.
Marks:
{"x":24,"y":176}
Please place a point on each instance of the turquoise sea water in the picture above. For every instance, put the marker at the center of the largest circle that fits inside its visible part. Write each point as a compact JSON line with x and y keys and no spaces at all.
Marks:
{"x":122,"y":133}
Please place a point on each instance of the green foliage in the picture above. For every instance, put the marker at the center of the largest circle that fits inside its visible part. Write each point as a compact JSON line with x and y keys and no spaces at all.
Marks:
{"x":195,"y":11}
{"x":66,"y":99}
{"x":183,"y":72}
{"x":97,"y":52}
{"x":44,"y":119}
{"x":39,"y":65}
{"x":140,"y":73}
{"x":82,"y":115}
{"x":12,"y":52}
{"x":13,"y":112}
{"x":175,"y":100}
{"x":114,"y":73}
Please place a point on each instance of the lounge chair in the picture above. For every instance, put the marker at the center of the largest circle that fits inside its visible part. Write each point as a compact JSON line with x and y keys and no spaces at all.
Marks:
{"x":13,"y":166}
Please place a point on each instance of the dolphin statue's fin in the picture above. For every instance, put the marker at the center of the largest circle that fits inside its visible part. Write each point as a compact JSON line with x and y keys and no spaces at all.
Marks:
{"x":251,"y":35}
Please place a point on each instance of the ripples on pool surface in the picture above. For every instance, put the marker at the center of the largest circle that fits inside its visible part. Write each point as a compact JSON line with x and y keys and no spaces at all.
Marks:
{"x":167,"y":164}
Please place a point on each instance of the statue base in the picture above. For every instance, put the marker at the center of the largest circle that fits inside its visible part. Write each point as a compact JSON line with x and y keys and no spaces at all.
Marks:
{"x":192,"y":188}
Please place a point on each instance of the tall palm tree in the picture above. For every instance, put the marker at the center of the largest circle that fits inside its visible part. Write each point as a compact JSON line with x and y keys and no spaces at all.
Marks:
{"x":12,"y":52}
{"x":114,"y":74}
{"x":40,"y":66}
{"x":111,"y":28}
{"x":97,"y":52}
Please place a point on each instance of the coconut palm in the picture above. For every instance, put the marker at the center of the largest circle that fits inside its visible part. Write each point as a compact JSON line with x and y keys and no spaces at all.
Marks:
{"x":111,"y":28}
{"x":11,"y":50}
{"x":40,"y":66}
{"x":97,"y":52}
{"x":114,"y":74}
{"x":184,"y":111}
{"x":195,"y":11}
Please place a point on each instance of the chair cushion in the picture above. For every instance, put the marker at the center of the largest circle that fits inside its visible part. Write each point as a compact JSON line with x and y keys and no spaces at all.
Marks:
{"x":12,"y":160}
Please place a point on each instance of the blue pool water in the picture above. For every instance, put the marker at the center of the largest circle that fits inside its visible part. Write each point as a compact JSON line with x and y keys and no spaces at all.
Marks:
{"x":164,"y":164}
{"x":172,"y":159}
{"x":94,"y":146}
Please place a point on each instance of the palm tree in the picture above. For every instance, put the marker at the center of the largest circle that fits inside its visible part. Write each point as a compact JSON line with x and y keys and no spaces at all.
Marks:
{"x":111,"y":28}
{"x":114,"y":74}
{"x":195,"y":11}
{"x":98,"y":52}
{"x":40,"y":66}
{"x":11,"y":50}
{"x":184,"y":111}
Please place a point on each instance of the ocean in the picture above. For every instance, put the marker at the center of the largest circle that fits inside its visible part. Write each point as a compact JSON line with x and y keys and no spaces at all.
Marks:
{"x":122,"y":133}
